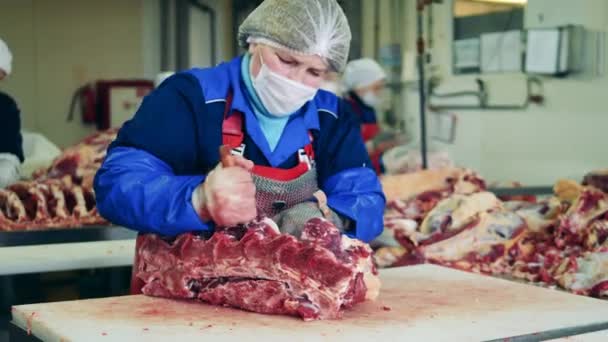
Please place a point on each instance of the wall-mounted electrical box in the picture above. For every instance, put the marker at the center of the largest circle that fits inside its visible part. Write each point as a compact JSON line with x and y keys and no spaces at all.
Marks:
{"x":564,"y":51}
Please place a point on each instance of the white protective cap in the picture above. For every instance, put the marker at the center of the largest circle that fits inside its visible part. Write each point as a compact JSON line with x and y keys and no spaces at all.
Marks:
{"x":309,"y":27}
{"x":6,"y":58}
{"x":362,"y":72}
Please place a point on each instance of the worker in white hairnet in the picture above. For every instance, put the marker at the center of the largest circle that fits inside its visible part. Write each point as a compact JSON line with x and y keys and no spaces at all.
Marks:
{"x":11,"y":149}
{"x":364,"y":82}
{"x":295,"y":154}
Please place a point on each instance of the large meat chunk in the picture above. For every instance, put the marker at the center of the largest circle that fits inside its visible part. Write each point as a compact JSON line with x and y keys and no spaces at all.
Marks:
{"x":258,"y":269}
{"x":79,"y":163}
{"x":422,"y":192}
{"x":480,"y":245}
{"x":47,"y":204}
{"x":585,"y":224}
{"x":560,"y":241}
{"x":60,"y":196}
{"x":586,"y":275}
{"x":598,"y":179}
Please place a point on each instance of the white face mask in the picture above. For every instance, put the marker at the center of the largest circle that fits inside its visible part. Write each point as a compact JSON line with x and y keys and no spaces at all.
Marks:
{"x":370,"y":99}
{"x":280,"y":95}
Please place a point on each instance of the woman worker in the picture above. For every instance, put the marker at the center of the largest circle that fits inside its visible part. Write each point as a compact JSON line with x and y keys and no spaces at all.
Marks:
{"x":364,"y":81}
{"x":11,"y":142}
{"x":293,"y":145}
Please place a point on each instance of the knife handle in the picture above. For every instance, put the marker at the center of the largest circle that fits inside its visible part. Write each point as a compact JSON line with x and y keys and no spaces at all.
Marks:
{"x":226,"y":157}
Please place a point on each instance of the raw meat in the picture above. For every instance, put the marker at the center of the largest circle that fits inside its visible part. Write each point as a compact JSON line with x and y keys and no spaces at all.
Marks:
{"x":587,"y":274}
{"x":258,"y":269}
{"x":508,"y":198}
{"x":79,"y":163}
{"x":559,"y":241}
{"x":60,"y":196}
{"x":403,"y":217}
{"x":598,"y":179}
{"x":47,"y":204}
{"x":479,"y":245}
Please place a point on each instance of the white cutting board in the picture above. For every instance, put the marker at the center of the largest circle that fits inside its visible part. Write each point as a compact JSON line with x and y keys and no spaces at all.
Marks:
{"x":427,"y":303}
{"x":598,"y":336}
{"x":66,"y":256}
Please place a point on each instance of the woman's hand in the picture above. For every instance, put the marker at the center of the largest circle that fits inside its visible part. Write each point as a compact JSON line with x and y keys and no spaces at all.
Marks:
{"x":227,"y":197}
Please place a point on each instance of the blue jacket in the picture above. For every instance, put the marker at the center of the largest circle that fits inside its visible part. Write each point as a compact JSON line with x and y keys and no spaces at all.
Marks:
{"x":10,"y":129}
{"x":164,"y":152}
{"x":365,"y":113}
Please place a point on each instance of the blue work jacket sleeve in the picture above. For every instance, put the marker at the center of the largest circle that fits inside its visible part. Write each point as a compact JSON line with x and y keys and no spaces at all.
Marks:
{"x":352,"y":187}
{"x":147,"y":179}
{"x":137,"y":190}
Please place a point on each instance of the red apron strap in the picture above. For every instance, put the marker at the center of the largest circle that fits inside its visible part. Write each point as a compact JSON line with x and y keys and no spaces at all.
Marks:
{"x":233,"y":136}
{"x":356,"y":107}
{"x":232,"y":126}
{"x":310,"y":151}
{"x":368,"y":130}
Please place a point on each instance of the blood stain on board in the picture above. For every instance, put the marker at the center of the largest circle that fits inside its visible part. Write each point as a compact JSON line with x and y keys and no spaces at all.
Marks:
{"x":386,"y":308}
{"x":29,"y":322}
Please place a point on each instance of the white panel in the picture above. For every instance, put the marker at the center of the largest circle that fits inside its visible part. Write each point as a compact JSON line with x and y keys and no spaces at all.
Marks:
{"x":124,"y":102}
{"x":151,"y":38}
{"x":200,"y":38}
{"x":551,"y":13}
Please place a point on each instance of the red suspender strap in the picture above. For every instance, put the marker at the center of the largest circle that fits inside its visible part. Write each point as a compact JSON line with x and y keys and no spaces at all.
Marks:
{"x":357,"y":109}
{"x":310,"y":151}
{"x":369,"y":131}
{"x":233,"y":136}
{"x":232,"y":126}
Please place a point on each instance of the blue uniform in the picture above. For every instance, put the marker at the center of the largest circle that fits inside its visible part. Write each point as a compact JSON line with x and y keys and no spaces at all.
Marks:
{"x":365,"y":113}
{"x":10,"y":130}
{"x":164,"y":152}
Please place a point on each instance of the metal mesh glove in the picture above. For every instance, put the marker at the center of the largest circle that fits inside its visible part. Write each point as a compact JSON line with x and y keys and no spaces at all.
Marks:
{"x":292,"y":220}
{"x":310,"y":27}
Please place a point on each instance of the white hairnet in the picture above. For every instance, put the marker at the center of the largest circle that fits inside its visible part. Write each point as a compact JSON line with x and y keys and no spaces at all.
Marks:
{"x":311,"y":27}
{"x":361,"y":73}
{"x":6,"y":58}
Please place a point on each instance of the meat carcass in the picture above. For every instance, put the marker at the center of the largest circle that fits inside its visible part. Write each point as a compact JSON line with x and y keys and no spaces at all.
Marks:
{"x":60,"y":196}
{"x":587,"y":274}
{"x":585,"y":223}
{"x":598,"y":179}
{"x":256,"y":268}
{"x":79,"y":163}
{"x":403,"y":219}
{"x":47,"y":204}
{"x":561,"y":241}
